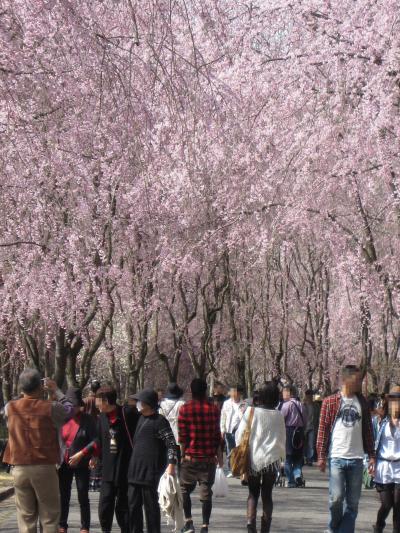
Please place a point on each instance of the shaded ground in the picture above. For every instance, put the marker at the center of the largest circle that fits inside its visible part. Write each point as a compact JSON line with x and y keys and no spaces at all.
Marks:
{"x":296,"y":510}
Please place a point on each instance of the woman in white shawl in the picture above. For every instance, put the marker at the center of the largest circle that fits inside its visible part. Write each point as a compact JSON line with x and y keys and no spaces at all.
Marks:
{"x":267,"y":449}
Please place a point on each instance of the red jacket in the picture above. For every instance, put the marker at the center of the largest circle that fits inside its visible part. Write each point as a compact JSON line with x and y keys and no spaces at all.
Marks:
{"x":329,"y":412}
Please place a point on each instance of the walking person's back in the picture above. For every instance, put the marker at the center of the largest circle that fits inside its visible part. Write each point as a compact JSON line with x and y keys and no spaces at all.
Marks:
{"x":266,"y":450}
{"x":170,"y":406}
{"x":295,"y":422}
{"x":200,"y":441}
{"x":33,"y":450}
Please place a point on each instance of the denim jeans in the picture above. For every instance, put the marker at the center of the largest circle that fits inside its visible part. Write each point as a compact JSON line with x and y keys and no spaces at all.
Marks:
{"x":345,"y":481}
{"x":293,"y":468}
{"x":230,"y":444}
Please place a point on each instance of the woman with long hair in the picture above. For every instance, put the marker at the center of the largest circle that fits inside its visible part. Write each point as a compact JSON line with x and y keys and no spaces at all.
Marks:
{"x":267,"y":449}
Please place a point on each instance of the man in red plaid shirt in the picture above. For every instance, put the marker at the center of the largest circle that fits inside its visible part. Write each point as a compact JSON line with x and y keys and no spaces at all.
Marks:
{"x":345,"y":435}
{"x":200,"y":442}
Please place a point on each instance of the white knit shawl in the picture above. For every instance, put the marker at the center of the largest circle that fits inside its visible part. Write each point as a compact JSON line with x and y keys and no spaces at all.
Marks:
{"x":267,"y":439}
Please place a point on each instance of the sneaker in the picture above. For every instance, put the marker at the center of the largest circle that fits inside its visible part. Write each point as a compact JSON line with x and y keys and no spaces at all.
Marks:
{"x":300,"y":482}
{"x":188,"y":527}
{"x":229,"y":474}
{"x":291,"y":485}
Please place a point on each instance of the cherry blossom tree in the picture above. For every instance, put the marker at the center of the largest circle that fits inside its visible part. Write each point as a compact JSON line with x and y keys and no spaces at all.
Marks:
{"x":211,"y":184}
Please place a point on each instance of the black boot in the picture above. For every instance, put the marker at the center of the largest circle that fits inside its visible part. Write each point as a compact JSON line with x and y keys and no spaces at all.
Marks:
{"x":251,"y":528}
{"x":265,"y":525}
{"x":377,"y":529}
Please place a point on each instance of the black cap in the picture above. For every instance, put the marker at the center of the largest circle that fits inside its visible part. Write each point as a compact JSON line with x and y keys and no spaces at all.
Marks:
{"x":147,"y":396}
{"x":174,"y":392}
{"x":74,"y":396}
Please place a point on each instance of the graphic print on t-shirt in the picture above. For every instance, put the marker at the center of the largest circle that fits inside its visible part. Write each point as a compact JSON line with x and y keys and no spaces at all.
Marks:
{"x":346,"y":440}
{"x":349,"y":415}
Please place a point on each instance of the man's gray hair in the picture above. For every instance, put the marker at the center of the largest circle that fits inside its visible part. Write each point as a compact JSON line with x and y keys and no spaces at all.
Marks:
{"x":29,"y":380}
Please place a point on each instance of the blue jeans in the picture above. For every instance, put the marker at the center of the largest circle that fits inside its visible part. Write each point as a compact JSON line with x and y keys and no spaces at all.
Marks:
{"x":345,"y":481}
{"x":293,"y":467}
{"x":230,"y":444}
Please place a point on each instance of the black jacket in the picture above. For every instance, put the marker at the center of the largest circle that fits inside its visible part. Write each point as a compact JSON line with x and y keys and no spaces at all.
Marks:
{"x":154,"y":447}
{"x":115,"y":466}
{"x":85,"y":438}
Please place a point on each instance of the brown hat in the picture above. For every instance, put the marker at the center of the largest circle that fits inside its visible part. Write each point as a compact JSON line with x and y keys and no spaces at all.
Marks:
{"x":394,"y":393}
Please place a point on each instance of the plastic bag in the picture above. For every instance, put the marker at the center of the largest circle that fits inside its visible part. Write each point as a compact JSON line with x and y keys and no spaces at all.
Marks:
{"x":220,"y":488}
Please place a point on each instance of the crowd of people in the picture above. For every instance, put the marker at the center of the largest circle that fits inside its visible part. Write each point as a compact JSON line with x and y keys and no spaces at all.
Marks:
{"x":124,"y":450}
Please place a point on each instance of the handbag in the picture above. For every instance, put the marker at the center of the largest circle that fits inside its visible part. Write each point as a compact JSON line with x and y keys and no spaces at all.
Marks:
{"x":240,"y":456}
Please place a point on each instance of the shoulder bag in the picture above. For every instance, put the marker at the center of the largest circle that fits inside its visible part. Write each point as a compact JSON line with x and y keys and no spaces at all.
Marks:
{"x":240,"y":456}
{"x":298,"y":437}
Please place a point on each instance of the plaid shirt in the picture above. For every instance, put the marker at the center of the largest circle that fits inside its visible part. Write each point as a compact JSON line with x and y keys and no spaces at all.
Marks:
{"x":198,"y":428}
{"x":329,"y":412}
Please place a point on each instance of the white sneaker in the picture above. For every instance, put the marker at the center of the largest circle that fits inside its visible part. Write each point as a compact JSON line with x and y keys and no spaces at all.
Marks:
{"x":229,"y":474}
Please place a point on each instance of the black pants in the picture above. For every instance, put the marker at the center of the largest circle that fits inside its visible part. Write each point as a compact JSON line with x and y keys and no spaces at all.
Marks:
{"x":261,"y":484}
{"x":65,"y":477}
{"x":140,"y":496}
{"x":389,"y":495}
{"x":113,"y":498}
{"x":95,"y":476}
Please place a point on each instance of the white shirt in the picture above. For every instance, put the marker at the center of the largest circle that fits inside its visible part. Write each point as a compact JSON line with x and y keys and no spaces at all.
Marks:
{"x":231,"y":414}
{"x":170,"y":410}
{"x":386,"y":471}
{"x":267,"y":437}
{"x":347,"y":441}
